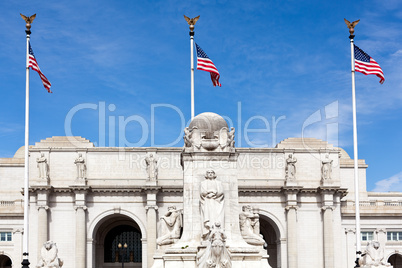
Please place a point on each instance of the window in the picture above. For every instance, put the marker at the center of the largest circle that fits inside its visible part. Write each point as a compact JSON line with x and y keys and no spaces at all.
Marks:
{"x":5,"y":236}
{"x":367,"y":236}
{"x":394,"y":236}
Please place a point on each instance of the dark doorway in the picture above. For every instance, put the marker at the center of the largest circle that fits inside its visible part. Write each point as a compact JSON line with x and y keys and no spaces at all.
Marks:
{"x":271,"y":237}
{"x":123,"y":235}
{"x":395,"y":260}
{"x":5,"y":262}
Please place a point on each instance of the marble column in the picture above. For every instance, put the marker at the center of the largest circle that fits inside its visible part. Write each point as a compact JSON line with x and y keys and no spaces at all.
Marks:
{"x":80,"y":227}
{"x":151,"y":209}
{"x":327,"y":194}
{"x":42,"y":226}
{"x":292,"y":236}
{"x":291,"y":208}
{"x":328,"y":237}
{"x":350,"y":247}
{"x":42,"y":196}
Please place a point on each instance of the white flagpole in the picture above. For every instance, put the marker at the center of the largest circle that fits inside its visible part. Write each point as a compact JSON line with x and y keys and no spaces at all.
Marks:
{"x":192,"y":71}
{"x":25,"y":263}
{"x":356,"y":158}
{"x":192,"y":22}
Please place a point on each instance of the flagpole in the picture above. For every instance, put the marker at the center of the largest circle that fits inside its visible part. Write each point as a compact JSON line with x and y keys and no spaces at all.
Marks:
{"x":192,"y":70}
{"x":192,"y":22}
{"x":25,"y":262}
{"x":355,"y":155}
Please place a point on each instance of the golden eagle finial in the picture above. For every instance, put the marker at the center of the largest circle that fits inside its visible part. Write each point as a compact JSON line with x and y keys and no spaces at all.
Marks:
{"x":28,"y":20}
{"x":351,"y":26}
{"x":191,"y":22}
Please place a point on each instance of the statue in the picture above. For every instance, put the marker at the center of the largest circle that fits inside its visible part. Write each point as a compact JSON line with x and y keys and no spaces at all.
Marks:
{"x":231,"y":141}
{"x":373,"y":257}
{"x":226,"y":137}
{"x":191,"y":22}
{"x":152,"y":168}
{"x":216,"y":254}
{"x":28,"y":20}
{"x":326,"y":168}
{"x":188,"y":137}
{"x":250,"y":226}
{"x":43,"y":167}
{"x":80,"y":163}
{"x":351,"y":26}
{"x":169,"y":227}
{"x":49,"y":258}
{"x":290,"y":168}
{"x":212,"y":203}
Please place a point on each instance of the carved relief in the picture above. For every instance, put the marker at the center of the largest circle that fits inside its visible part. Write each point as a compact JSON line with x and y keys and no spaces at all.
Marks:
{"x":221,"y":140}
{"x":152,"y":167}
{"x":373,"y":256}
{"x":49,"y":258}
{"x":326,"y":169}
{"x":211,"y":203}
{"x":43,"y":167}
{"x":290,"y":168}
{"x":216,"y":254}
{"x":170,"y":226}
{"x":81,"y":167}
{"x":250,"y":226}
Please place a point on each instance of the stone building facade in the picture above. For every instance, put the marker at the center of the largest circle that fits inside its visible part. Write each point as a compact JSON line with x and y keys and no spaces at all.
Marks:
{"x":89,"y":199}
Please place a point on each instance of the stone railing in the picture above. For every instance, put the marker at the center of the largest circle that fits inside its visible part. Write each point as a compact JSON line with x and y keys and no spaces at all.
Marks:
{"x":373,"y":207}
{"x":11,"y":207}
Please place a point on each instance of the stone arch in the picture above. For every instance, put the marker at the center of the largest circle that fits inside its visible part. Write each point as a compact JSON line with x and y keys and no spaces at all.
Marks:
{"x":5,"y":261}
{"x":395,"y":260}
{"x":109,"y":221}
{"x":273,"y":232}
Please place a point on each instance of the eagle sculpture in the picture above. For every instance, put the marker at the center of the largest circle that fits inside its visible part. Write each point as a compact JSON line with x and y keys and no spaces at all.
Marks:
{"x":28,"y":20}
{"x":192,"y":21}
{"x":351,"y":26}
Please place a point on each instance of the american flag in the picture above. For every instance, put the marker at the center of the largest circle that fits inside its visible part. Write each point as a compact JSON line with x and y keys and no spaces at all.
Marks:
{"x":204,"y":63}
{"x":34,"y":65}
{"x":366,"y":64}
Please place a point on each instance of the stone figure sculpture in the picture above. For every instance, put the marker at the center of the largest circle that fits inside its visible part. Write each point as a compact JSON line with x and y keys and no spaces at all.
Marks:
{"x":216,"y":254}
{"x":49,"y":258}
{"x":326,"y":169}
{"x":211,"y":202}
{"x":80,"y":163}
{"x":152,"y":167}
{"x":290,"y":168}
{"x":42,"y":166}
{"x":250,"y":226}
{"x":169,"y":227}
{"x":373,"y":257}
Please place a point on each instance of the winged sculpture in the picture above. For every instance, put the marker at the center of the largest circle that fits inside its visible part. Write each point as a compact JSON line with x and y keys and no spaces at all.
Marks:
{"x":28,"y":20}
{"x":351,"y":26}
{"x":192,"y":21}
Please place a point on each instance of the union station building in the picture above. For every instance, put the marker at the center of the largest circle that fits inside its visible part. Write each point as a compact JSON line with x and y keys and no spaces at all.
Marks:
{"x":291,"y":206}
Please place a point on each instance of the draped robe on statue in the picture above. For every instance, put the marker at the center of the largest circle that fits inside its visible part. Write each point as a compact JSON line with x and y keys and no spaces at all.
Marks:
{"x":212,"y":204}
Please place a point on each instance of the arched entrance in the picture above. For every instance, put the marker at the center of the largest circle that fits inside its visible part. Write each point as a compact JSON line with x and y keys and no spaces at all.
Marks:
{"x":5,"y":261}
{"x":115,"y":230}
{"x":395,"y":260}
{"x":271,"y":235}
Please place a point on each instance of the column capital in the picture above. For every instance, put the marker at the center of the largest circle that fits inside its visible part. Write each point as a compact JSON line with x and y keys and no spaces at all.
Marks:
{"x":350,"y":230}
{"x":42,"y":206}
{"x":287,"y":208}
{"x":81,"y":207}
{"x":151,"y":207}
{"x":381,"y":230}
{"x":324,"y":208}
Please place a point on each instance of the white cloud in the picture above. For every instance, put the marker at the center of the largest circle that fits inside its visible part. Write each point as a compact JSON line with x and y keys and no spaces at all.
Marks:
{"x":393,"y":183}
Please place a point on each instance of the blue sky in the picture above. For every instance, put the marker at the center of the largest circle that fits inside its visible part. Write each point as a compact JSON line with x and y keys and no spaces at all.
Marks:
{"x":120,"y":73}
